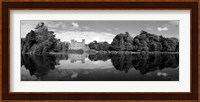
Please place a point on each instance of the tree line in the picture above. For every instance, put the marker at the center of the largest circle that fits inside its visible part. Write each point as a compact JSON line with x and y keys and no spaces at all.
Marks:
{"x":43,"y":41}
{"x":142,"y":42}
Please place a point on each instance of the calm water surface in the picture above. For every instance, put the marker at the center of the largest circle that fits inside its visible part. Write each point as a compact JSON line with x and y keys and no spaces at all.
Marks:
{"x":100,"y":67}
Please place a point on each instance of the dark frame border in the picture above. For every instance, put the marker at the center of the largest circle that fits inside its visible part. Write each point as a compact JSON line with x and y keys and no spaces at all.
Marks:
{"x":6,"y":6}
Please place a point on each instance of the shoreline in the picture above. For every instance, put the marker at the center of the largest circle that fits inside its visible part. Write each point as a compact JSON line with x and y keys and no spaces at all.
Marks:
{"x":117,"y":52}
{"x":134,"y":52}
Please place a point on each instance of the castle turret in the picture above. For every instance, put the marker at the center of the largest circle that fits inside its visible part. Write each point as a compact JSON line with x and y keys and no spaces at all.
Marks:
{"x":83,"y":41}
{"x":72,"y":40}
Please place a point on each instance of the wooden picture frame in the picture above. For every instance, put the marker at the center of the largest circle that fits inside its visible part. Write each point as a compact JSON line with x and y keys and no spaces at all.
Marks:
{"x":7,"y":95}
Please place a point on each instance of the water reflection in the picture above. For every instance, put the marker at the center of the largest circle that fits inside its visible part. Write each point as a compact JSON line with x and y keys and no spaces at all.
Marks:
{"x":39,"y":65}
{"x":146,"y":63}
{"x":77,"y":57}
{"x":100,"y":67}
{"x":98,"y":56}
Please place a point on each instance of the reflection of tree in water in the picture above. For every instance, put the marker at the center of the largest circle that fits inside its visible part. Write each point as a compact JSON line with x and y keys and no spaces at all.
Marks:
{"x":98,"y":56}
{"x":170,"y":60}
{"x":39,"y":65}
{"x":145,"y":62}
{"x":122,"y":62}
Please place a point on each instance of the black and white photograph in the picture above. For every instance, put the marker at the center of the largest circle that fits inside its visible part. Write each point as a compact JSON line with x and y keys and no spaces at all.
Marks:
{"x":99,"y":50}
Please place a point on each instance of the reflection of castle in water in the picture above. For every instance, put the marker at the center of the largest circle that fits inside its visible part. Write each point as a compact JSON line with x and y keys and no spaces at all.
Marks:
{"x":77,"y":57}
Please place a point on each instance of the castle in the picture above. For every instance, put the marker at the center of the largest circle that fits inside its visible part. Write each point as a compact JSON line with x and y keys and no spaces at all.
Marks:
{"x":75,"y":45}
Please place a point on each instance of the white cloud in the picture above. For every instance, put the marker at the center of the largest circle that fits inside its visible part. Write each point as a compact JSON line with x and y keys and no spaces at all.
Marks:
{"x":162,"y":28}
{"x":75,"y":25}
{"x":87,"y":35}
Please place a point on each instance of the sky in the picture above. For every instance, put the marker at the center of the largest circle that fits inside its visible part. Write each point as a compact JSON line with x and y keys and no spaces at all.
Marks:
{"x":102,"y":30}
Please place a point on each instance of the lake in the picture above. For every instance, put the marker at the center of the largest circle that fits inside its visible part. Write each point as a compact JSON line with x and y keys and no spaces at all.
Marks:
{"x":100,"y":67}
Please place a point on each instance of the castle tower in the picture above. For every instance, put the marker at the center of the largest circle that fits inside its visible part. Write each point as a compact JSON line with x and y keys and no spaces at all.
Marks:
{"x":72,"y":40}
{"x":83,"y":41}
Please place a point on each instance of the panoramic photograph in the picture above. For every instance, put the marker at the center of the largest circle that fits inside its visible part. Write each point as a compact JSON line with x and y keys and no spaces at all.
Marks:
{"x":99,"y":50}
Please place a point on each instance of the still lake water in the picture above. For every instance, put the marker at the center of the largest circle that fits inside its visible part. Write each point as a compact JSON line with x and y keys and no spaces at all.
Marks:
{"x":100,"y":67}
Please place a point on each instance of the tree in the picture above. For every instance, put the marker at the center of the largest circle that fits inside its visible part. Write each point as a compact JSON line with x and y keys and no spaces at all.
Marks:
{"x":29,"y":41}
{"x":150,"y":42}
{"x":122,"y":42}
{"x":99,"y":46}
{"x":39,"y":42}
{"x":153,"y":46}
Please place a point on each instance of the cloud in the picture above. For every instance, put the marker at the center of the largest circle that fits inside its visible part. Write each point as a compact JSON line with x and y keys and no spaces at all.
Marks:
{"x":89,"y":36}
{"x":75,"y":25}
{"x":162,"y":28}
